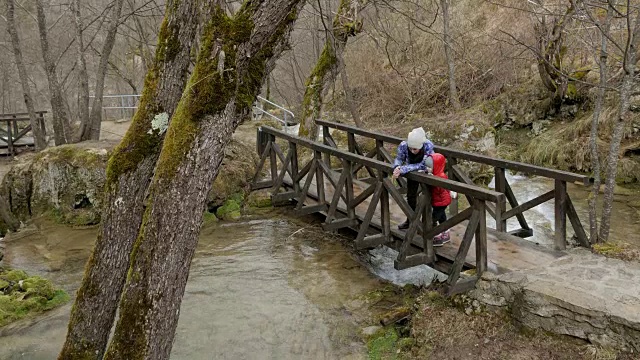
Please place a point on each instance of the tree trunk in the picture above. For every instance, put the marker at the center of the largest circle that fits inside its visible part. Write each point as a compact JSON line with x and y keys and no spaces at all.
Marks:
{"x":593,"y":138}
{"x":83,"y":76}
{"x":448,"y":53}
{"x":129,"y":173}
{"x":61,"y":122}
{"x":93,"y":131}
{"x":345,"y":24}
{"x":347,"y":95}
{"x":40,"y":142}
{"x":624,"y":117}
{"x":227,"y":77}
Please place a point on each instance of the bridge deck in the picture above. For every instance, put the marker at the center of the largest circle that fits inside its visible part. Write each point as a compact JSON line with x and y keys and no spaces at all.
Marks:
{"x":505,"y":252}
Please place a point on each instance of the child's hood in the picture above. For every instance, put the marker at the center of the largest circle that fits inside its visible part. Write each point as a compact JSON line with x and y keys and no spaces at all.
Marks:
{"x":439,"y":163}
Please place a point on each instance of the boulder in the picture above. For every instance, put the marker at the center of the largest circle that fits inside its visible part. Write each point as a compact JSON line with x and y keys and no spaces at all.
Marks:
{"x":236,"y":172}
{"x":64,"y":180}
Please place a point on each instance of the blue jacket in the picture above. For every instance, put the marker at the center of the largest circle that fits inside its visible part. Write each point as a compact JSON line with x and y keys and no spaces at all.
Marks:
{"x":403,"y":156}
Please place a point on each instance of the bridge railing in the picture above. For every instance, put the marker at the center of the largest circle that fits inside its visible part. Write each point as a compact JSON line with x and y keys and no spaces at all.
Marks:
{"x":368,"y":212}
{"x":13,"y":127}
{"x":563,"y":207}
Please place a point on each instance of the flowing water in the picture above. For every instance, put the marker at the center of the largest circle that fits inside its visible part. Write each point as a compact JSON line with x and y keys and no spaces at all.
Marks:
{"x":268,"y":287}
{"x":262,"y":288}
{"x":625,"y":221}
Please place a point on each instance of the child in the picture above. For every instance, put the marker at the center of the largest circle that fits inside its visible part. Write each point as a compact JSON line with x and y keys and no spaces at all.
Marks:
{"x":440,"y":197}
{"x":411,"y":156}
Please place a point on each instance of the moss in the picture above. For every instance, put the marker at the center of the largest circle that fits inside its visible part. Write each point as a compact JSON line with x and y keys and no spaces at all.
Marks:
{"x":383,"y":344}
{"x":259,"y":199}
{"x":208,"y":219}
{"x":24,"y":296}
{"x":616,"y":249}
{"x":229,"y":211}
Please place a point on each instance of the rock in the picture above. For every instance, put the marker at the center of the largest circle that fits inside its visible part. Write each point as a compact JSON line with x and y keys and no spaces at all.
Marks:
{"x":64,"y":180}
{"x":235,"y":175}
{"x":371,"y":330}
{"x":229,"y":211}
{"x":582,"y":294}
{"x":68,"y":181}
{"x":259,"y":199}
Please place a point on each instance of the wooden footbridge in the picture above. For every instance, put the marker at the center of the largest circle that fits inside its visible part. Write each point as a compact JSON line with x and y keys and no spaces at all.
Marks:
{"x":359,"y":194}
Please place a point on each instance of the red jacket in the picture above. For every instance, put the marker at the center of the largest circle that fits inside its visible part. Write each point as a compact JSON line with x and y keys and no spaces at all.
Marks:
{"x":439,"y":196}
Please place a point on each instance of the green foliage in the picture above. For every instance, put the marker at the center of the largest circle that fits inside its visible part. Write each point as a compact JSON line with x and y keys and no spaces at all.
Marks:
{"x":22,"y":296}
{"x":230,"y":210}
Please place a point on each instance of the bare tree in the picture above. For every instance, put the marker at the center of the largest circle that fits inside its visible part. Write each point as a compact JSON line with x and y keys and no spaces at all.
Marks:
{"x":83,"y":76}
{"x":95,"y":119}
{"x":59,"y":107}
{"x":38,"y":135}
{"x":451,"y":66}
{"x":631,"y":18}
{"x":345,"y":24}
{"x":593,"y":138}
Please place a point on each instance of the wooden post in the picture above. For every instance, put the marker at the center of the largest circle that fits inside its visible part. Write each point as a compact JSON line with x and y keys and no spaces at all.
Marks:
{"x":561,"y":215}
{"x":9,"y":138}
{"x":453,"y":207}
{"x":325,"y":136}
{"x":481,"y":238}
{"x":15,"y":125}
{"x":351,"y":142}
{"x":347,"y":167}
{"x":500,"y":186}
{"x":294,"y":167}
{"x":427,"y":225}
{"x":43,"y":128}
{"x":319,"y":178}
{"x":272,"y":160}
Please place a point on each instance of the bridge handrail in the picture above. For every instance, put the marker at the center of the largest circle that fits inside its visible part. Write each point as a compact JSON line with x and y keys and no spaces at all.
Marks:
{"x":465,"y":155}
{"x":471,"y":190}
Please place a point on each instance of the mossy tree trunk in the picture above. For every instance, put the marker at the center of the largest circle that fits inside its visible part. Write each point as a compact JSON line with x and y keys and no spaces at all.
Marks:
{"x":12,"y":29}
{"x":92,"y":129}
{"x":129,"y":174}
{"x":345,"y":24}
{"x":551,"y":51}
{"x":59,"y":107}
{"x":227,"y":76}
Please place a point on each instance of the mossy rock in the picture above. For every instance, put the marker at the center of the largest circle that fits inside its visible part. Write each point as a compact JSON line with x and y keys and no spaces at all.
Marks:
{"x":229,"y":211}
{"x":259,"y":199}
{"x":37,"y":286}
{"x":67,"y":179}
{"x":236,"y":172}
{"x":27,"y":296}
{"x":209,"y":218}
{"x":14,"y":275}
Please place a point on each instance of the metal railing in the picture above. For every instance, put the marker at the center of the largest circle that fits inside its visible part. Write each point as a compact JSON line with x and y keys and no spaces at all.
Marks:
{"x":288,"y":118}
{"x":128,"y":104}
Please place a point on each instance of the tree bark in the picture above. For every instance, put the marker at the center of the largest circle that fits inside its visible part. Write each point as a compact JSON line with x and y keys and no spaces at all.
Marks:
{"x":83,"y":76}
{"x":226,"y":79}
{"x":347,"y":95}
{"x":593,"y":138}
{"x":345,"y":25}
{"x":129,"y":174}
{"x":448,"y":53}
{"x":95,"y":121}
{"x":624,"y":117}
{"x":61,"y":122}
{"x":38,"y":135}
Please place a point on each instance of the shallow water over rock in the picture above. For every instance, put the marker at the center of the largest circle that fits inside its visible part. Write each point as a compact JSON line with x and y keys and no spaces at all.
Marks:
{"x":261,"y":288}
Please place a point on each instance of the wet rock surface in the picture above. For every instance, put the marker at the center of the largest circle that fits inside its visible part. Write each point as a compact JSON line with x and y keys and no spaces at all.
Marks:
{"x":582,"y":294}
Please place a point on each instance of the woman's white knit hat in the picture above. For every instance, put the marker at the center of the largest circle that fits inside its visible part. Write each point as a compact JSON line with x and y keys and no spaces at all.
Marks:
{"x":416,"y":138}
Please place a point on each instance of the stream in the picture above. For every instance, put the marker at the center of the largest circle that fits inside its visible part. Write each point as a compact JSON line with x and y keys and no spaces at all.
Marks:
{"x":267,"y":287}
